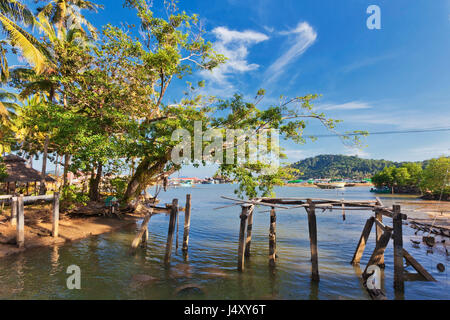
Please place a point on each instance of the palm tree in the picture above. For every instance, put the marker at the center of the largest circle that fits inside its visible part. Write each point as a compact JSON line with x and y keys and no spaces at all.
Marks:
{"x":13,"y":12}
{"x":48,"y":81}
{"x":64,"y":12}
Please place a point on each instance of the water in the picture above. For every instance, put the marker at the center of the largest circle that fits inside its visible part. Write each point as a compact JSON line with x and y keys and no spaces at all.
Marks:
{"x":108,"y":271}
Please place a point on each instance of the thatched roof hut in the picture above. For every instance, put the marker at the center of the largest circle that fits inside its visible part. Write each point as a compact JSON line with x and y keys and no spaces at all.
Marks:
{"x":18,"y":171}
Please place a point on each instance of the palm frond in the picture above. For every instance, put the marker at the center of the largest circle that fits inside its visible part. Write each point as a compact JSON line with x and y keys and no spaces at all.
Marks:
{"x":17,"y":11}
{"x":31,"y":49}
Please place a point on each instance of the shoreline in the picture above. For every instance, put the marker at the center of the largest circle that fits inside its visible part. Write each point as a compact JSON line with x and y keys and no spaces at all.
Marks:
{"x":70,"y":229}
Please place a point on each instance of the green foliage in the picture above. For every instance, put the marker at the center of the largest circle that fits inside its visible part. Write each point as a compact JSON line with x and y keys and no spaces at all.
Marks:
{"x":71,"y":196}
{"x":3,"y":173}
{"x":339,"y":166}
{"x":436,"y":177}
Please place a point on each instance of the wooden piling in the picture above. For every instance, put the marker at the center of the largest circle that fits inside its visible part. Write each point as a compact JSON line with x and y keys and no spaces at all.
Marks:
{"x":398,"y":249}
{"x":143,"y":232}
{"x":55,"y":225}
{"x":343,"y":211}
{"x":312,"y":226}
{"x":173,"y":218}
{"x":362,"y":241}
{"x":243,"y":216}
{"x":248,"y":239}
{"x":14,"y":211}
{"x":379,"y":231}
{"x":20,"y":239}
{"x":272,"y":238}
{"x":379,"y":250}
{"x":187,"y":222}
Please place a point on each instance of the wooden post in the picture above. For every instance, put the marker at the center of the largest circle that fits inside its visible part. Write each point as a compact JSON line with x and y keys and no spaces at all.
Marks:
{"x":362,"y":241}
{"x":249,"y":231}
{"x":241,"y":248}
{"x":312,"y":226}
{"x":379,"y":250}
{"x":173,"y":217}
{"x":272,"y":238}
{"x":398,"y":249}
{"x":20,"y":239}
{"x":143,"y":232}
{"x":144,"y":237}
{"x":343,"y":211}
{"x":379,"y":232}
{"x":14,"y":211}
{"x":55,"y":227}
{"x":187,"y":222}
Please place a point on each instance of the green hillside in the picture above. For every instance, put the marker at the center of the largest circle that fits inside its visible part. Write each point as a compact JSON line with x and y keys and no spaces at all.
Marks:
{"x":340,"y":166}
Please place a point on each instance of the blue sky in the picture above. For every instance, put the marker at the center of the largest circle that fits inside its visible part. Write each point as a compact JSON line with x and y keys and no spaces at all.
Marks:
{"x":395,"y":78}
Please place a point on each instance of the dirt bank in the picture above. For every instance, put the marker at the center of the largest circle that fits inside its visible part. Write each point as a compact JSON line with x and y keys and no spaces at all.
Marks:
{"x":38,"y":228}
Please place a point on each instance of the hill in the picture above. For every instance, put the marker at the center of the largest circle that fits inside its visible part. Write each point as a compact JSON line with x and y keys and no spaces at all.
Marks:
{"x":340,"y":166}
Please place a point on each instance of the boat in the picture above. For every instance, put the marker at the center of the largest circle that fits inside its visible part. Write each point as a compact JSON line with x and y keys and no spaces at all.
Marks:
{"x":382,"y":190}
{"x":186,"y":184}
{"x":331,"y":185}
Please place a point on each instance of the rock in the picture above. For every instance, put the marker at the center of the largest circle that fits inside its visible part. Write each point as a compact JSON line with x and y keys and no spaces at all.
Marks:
{"x":141,"y":280}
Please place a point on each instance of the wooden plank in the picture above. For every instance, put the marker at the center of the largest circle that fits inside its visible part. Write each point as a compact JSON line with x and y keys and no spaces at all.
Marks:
{"x":248,"y":239}
{"x":312,"y":227}
{"x":241,"y":248}
{"x":380,"y":228}
{"x":378,"y":252}
{"x":20,"y":238}
{"x":362,"y":241}
{"x":142,"y":230}
{"x":32,"y":199}
{"x":398,"y":249}
{"x":379,"y":202}
{"x":417,"y":266}
{"x":255,"y":203}
{"x":272,"y":238}
{"x":55,"y":222}
{"x":14,"y":211}
{"x":173,"y":218}
{"x":187,"y":223}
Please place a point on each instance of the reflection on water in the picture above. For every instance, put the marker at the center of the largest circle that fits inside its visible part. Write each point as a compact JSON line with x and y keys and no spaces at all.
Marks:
{"x":208,"y":270}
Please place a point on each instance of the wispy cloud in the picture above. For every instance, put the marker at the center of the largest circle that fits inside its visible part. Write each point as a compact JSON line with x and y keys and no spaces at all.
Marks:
{"x":234,"y":45}
{"x":367,"y":62}
{"x":402,"y":119}
{"x":355,"y":151}
{"x":353,"y":105}
{"x":304,"y":37}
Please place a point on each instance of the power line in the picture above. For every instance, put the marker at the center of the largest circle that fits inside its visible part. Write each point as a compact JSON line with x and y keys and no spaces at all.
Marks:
{"x":383,"y":132}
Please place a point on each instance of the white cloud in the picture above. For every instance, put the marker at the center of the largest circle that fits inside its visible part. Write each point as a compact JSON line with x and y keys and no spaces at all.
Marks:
{"x":353,"y":105}
{"x":305,"y":36}
{"x":234,"y":45}
{"x":355,"y":151}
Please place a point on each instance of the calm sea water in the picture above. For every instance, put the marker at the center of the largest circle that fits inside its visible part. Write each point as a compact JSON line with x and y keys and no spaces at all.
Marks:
{"x":108,"y":271}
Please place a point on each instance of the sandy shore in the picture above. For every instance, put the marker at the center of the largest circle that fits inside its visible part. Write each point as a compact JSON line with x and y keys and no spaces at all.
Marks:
{"x":38,"y":229}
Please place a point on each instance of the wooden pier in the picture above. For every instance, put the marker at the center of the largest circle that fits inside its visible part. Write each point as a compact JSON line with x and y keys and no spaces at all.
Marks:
{"x":17,"y":218}
{"x":384,"y":234}
{"x":173,"y":210}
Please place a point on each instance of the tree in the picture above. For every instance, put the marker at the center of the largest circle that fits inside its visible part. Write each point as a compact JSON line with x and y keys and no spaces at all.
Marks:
{"x":13,"y":12}
{"x":436,"y":176}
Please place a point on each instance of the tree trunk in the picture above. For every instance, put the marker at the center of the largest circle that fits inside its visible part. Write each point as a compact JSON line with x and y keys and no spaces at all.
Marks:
{"x":66,"y":168}
{"x":42,"y":186}
{"x":147,"y":172}
{"x":94,"y":194}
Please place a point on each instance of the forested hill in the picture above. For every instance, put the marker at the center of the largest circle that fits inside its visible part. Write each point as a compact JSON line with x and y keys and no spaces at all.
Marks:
{"x":340,"y":166}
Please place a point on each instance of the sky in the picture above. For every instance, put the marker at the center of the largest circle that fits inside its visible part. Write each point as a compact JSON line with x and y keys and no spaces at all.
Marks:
{"x":396,"y":78}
